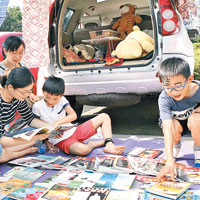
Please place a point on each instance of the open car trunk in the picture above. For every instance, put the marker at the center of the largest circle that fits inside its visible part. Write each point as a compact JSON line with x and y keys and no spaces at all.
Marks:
{"x":86,"y":39}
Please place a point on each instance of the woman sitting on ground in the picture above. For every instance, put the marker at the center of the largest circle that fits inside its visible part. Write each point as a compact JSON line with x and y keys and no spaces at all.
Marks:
{"x":16,"y":87}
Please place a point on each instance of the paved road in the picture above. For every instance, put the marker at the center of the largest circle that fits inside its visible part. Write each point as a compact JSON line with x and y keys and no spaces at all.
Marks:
{"x":140,"y":119}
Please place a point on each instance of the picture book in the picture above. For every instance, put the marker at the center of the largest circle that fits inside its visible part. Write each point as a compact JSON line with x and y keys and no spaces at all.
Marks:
{"x":64,"y":176}
{"x":58,"y":192}
{"x":144,"y":152}
{"x":169,"y":189}
{"x":188,"y":195}
{"x":33,"y":161}
{"x":11,"y":185}
{"x":88,"y":178}
{"x":28,"y":192}
{"x":91,"y":193}
{"x":122,"y":195}
{"x":123,"y":182}
{"x":25,"y":173}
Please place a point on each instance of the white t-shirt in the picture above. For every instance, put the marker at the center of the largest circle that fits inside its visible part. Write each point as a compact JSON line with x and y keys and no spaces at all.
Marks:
{"x":52,"y":114}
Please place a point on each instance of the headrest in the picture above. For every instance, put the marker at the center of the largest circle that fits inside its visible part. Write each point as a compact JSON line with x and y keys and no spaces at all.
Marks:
{"x":91,"y":21}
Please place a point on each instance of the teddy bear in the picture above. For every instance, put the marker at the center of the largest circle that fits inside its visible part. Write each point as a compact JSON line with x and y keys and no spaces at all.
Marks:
{"x":137,"y":44}
{"x":125,"y":24}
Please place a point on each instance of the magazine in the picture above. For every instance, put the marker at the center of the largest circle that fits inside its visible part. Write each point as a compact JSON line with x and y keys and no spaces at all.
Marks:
{"x":189,"y":174}
{"x":89,"y":193}
{"x":11,"y":185}
{"x":28,"y":191}
{"x":33,"y":161}
{"x":58,"y":192}
{"x":144,"y":152}
{"x":169,"y":189}
{"x":59,"y":163}
{"x":25,"y":173}
{"x":28,"y":135}
{"x":123,"y":165}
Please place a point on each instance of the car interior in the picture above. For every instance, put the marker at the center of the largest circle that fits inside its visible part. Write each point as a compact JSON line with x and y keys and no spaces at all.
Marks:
{"x":84,"y":22}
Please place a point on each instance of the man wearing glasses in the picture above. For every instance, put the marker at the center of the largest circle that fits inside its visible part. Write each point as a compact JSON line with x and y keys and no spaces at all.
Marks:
{"x":179,"y":110}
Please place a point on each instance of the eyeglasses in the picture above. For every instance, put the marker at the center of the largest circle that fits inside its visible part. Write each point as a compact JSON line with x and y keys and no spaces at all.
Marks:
{"x":177,"y":88}
{"x":17,"y":54}
{"x":25,"y":93}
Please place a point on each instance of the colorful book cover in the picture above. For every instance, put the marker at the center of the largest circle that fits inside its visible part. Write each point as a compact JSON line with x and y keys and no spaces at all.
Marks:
{"x":144,"y":152}
{"x":122,"y":163}
{"x":28,"y":192}
{"x":169,"y":189}
{"x":91,"y":193}
{"x":11,"y":185}
{"x":59,"y":192}
{"x":64,"y":176}
{"x":25,"y":173}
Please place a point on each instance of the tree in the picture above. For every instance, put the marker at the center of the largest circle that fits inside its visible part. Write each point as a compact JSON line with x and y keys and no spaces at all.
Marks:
{"x":13,"y":20}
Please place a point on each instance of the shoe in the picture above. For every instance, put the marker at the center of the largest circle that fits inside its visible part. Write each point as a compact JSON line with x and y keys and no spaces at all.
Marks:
{"x":197,"y":157}
{"x":176,"y":150}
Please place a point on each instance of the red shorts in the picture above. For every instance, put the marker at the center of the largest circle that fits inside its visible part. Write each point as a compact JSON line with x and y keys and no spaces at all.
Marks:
{"x":83,"y":132}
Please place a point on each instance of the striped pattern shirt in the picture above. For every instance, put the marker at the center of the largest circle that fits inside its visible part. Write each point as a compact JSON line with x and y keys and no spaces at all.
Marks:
{"x":8,"y":112}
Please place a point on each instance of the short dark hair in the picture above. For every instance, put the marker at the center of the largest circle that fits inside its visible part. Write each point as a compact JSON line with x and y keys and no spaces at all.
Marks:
{"x":54,"y":85}
{"x":19,"y":77}
{"x":174,"y":66}
{"x":12,"y":43}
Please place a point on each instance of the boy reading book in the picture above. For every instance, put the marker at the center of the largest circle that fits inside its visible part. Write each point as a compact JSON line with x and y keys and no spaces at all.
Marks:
{"x":179,"y":110}
{"x":56,"y":110}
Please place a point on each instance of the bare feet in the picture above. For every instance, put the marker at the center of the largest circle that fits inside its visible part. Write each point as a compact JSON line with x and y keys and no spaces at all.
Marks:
{"x":95,"y":144}
{"x":113,"y":149}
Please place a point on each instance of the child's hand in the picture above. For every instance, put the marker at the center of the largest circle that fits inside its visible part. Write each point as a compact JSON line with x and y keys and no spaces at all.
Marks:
{"x":33,"y":98}
{"x":52,"y":148}
{"x":40,"y":136}
{"x":165,"y":172}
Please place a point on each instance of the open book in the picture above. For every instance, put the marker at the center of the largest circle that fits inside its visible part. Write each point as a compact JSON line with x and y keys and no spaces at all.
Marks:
{"x":28,"y":135}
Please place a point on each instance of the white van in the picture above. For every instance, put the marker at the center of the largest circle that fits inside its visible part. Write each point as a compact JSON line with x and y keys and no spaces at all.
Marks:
{"x":93,"y":83}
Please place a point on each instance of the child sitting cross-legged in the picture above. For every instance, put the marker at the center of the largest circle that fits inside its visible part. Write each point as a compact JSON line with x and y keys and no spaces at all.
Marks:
{"x":56,"y":110}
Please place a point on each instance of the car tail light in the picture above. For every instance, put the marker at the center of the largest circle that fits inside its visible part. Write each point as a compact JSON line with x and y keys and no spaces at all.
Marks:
{"x":169,"y":17}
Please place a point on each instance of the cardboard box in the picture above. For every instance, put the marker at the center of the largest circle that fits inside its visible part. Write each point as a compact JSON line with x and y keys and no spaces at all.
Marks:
{"x":103,"y":33}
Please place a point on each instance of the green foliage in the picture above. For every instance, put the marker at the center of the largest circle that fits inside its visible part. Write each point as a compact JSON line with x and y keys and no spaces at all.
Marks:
{"x":197,"y":61}
{"x":13,"y":20}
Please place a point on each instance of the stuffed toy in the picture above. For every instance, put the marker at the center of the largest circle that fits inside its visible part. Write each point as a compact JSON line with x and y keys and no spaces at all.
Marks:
{"x":125,"y":24}
{"x":85,"y":51}
{"x":69,"y":56}
{"x":137,"y":44}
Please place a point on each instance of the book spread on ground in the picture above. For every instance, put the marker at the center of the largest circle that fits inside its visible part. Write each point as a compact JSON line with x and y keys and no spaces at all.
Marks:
{"x":144,"y":152}
{"x":169,"y":189}
{"x":25,"y":173}
{"x":33,"y":161}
